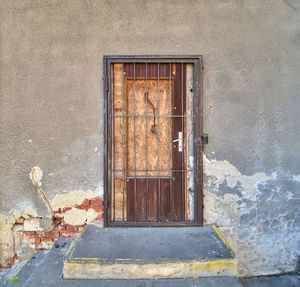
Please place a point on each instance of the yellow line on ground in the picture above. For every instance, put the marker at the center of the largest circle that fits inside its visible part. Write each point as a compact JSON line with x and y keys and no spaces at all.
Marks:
{"x":216,"y":265}
{"x":77,"y":240}
{"x":223,"y":239}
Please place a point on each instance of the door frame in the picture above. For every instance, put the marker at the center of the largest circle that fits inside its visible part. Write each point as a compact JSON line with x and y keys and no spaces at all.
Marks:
{"x":197,"y":62}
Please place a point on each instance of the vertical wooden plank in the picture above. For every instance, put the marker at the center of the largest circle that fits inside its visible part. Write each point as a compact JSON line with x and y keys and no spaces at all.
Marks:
{"x":152,"y":199}
{"x":198,"y":160}
{"x":119,"y":188}
{"x":184,"y":158}
{"x":177,"y":204}
{"x":130,"y":200}
{"x":141,"y":200}
{"x":164,"y":199}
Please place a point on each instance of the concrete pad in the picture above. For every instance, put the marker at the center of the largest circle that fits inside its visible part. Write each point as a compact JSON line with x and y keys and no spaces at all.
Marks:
{"x":138,"y":253}
{"x":45,"y":269}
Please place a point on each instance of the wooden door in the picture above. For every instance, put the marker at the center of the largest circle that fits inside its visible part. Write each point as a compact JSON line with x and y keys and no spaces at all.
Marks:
{"x":152,"y":144}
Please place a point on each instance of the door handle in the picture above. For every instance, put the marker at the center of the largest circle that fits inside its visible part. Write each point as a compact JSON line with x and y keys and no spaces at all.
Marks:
{"x":179,"y":140}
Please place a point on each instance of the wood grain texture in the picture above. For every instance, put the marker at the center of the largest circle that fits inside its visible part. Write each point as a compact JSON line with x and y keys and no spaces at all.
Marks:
{"x":152,"y":149}
{"x":146,"y":209}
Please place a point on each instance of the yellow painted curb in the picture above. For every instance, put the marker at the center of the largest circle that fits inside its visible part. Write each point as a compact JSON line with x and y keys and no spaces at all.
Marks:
{"x":223,"y":239}
{"x":216,"y":265}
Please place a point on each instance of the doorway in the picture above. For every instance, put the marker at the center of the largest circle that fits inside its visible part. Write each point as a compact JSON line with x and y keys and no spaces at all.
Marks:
{"x":153,"y":151}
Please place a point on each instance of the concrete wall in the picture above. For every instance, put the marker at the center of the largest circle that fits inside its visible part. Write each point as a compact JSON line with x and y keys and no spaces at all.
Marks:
{"x":52,"y":106}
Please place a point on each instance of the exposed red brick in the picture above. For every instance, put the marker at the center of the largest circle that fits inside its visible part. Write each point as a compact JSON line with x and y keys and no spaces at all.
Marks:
{"x":63,"y":222}
{"x":96,"y":202}
{"x":85,"y":202}
{"x":98,"y":208}
{"x":52,"y":234}
{"x":20,"y":220}
{"x":39,"y":233}
{"x":29,"y":233}
{"x":47,"y":239}
{"x":10,"y":261}
{"x":37,"y":240}
{"x":67,"y":233}
{"x":100,"y":216}
{"x":60,"y":228}
{"x":71,"y":228}
{"x":58,"y":215}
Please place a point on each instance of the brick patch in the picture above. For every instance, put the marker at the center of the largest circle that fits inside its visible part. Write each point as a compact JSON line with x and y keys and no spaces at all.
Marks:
{"x":11,"y":260}
{"x":45,"y":239}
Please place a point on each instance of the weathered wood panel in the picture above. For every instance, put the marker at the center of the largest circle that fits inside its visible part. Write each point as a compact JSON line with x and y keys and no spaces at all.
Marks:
{"x":145,"y":208}
{"x":149,"y":138}
{"x":119,"y":108}
{"x":120,"y":195}
{"x":145,"y":143}
{"x":119,"y":145}
{"x":178,"y":184}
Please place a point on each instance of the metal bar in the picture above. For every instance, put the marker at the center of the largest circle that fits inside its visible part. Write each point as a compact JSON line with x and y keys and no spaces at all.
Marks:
{"x":198,"y":164}
{"x":106,"y":136}
{"x":123,"y":142}
{"x":150,"y":116}
{"x":158,"y":139}
{"x":154,"y":57}
{"x":144,"y":170}
{"x":154,"y":224}
{"x":171,"y":142}
{"x":182,"y":153}
{"x":158,"y":197}
{"x":113,"y":144}
{"x":149,"y":78}
{"x":109,"y":142}
{"x":152,"y":60}
{"x":147,"y":183}
{"x":134,"y":197}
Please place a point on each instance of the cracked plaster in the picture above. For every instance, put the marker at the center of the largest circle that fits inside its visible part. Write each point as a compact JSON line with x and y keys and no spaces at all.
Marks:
{"x":256,"y":215}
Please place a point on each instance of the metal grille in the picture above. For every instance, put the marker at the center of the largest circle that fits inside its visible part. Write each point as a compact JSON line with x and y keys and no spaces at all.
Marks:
{"x":153,"y":154}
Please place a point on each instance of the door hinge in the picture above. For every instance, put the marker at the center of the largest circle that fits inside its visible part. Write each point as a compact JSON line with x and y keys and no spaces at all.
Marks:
{"x":204,"y":138}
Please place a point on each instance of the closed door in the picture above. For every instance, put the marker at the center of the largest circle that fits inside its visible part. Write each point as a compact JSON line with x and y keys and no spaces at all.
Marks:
{"x":152,"y":144}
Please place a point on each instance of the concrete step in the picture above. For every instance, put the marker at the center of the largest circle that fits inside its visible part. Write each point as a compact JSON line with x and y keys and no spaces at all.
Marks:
{"x":147,"y":253}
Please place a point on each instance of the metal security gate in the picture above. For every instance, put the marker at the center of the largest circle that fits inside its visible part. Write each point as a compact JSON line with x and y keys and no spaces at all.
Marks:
{"x":153,"y":141}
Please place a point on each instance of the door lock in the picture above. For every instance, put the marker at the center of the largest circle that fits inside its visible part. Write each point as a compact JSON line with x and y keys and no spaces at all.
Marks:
{"x":179,"y":140}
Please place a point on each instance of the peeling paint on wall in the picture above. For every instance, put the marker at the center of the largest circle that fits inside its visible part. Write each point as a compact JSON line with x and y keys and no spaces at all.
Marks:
{"x":71,"y":198}
{"x":258,"y":215}
{"x":22,"y":233}
{"x":77,"y":216}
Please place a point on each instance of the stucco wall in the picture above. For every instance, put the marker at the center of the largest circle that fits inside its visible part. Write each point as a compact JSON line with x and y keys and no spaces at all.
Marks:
{"x":51,"y":111}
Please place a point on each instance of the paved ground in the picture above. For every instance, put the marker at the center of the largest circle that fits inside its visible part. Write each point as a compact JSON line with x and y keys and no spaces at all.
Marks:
{"x":150,"y":245}
{"x":287,"y":280}
{"x":45,"y":269}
